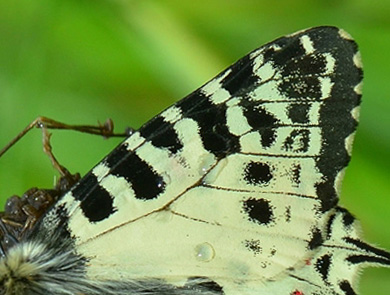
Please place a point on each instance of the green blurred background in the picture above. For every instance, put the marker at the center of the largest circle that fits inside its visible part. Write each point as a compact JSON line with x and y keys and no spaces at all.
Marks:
{"x":84,"y":61}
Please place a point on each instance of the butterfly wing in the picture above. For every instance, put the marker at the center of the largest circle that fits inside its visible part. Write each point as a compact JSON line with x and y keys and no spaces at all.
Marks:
{"x":235,"y":183}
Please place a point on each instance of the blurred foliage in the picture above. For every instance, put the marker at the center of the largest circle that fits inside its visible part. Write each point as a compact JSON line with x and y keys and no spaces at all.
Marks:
{"x":84,"y":61}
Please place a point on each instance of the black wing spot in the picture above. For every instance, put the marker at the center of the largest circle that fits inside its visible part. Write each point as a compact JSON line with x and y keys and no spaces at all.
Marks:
{"x":299,"y":112}
{"x":298,"y":141}
{"x":213,"y":129}
{"x":254,"y":246}
{"x":161,"y":134}
{"x":301,"y":87}
{"x":95,"y":202}
{"x":329,"y":226}
{"x":257,"y":116}
{"x":268,"y":137}
{"x":257,"y":173}
{"x":348,"y":218}
{"x":305,"y":65}
{"x":287,"y":214}
{"x":326,"y":194}
{"x":258,"y":210}
{"x":260,"y":120}
{"x":290,"y":49}
{"x":146,"y":183}
{"x":295,"y":174}
{"x":241,"y":78}
{"x":347,"y":288}
{"x":316,"y":239}
{"x":322,"y":266}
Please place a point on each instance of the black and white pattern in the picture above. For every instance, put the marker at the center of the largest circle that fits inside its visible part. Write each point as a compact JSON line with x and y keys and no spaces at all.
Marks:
{"x":232,"y":190}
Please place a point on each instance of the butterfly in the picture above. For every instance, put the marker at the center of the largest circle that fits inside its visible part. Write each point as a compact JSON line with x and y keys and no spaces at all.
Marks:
{"x":232,"y":190}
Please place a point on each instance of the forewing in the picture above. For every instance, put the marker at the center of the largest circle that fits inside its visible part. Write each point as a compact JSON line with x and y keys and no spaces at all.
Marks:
{"x":234,"y":181}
